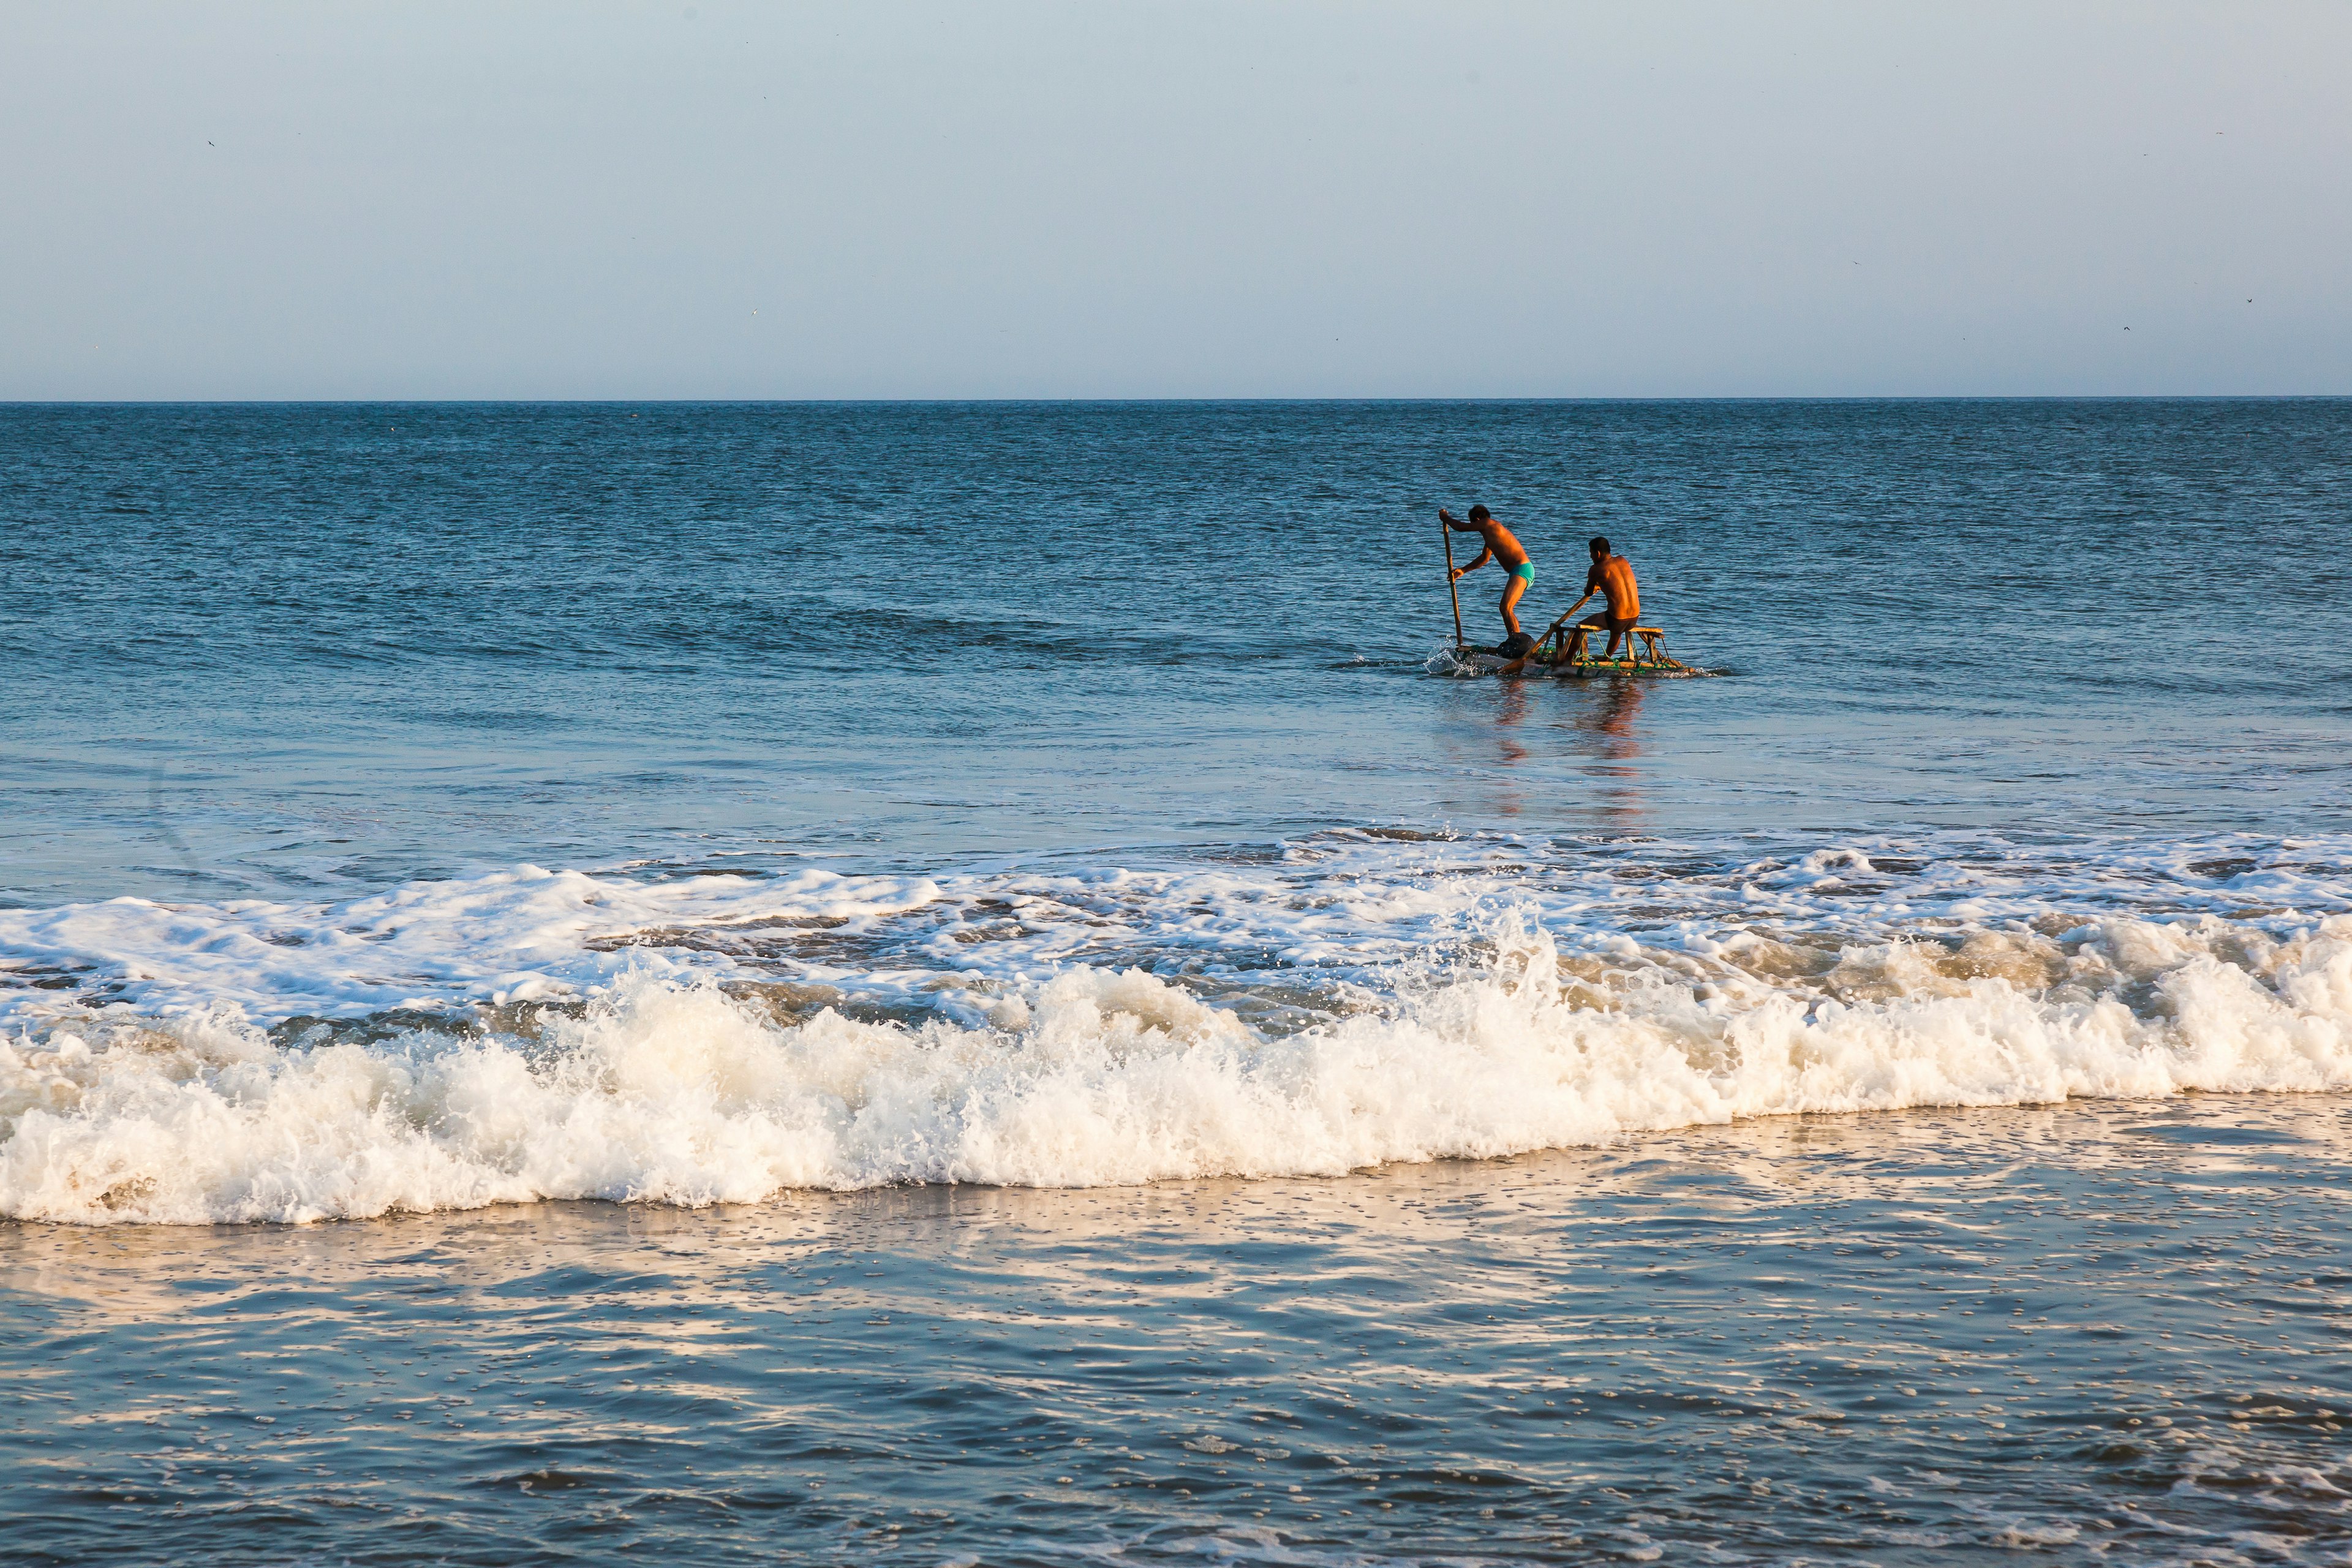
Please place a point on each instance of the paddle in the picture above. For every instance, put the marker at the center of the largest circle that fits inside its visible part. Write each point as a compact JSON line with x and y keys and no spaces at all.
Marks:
{"x":1451,"y":586}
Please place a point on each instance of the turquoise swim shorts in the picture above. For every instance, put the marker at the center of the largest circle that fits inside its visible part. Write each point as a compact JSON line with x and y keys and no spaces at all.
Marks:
{"x":1526,"y":572}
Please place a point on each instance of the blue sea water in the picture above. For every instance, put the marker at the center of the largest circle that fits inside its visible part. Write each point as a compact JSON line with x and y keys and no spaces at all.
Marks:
{"x":944,"y":982}
{"x":276,"y":650}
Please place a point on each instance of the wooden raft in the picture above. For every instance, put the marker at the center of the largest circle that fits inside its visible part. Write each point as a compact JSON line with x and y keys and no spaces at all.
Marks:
{"x":1563,"y":651}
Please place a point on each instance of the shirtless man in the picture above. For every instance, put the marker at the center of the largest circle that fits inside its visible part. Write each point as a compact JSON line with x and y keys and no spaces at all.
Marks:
{"x":1613,"y":577}
{"x":1502,"y":547}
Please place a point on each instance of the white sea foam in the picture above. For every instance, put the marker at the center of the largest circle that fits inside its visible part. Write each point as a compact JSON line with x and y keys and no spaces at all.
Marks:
{"x":509,"y":936}
{"x":1359,"y":1003}
{"x":1337,"y":907}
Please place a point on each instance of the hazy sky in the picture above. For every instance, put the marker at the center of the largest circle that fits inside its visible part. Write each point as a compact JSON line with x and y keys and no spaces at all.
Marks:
{"x":1200,"y":199}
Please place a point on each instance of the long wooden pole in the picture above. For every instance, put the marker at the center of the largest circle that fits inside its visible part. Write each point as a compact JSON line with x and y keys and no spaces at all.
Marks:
{"x":1451,"y":586}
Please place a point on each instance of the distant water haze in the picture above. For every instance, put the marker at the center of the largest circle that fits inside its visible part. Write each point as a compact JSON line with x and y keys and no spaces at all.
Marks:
{"x":1045,"y":200}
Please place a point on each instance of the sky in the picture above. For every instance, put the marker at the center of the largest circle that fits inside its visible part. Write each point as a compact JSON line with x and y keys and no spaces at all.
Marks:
{"x":1033,"y":198}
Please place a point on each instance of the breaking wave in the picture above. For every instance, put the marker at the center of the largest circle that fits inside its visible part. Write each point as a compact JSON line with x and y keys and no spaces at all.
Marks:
{"x":662,"y":1079}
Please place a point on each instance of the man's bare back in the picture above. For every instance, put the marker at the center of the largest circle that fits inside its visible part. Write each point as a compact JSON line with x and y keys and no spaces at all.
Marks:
{"x":1612,"y":577}
{"x":1500,"y":546}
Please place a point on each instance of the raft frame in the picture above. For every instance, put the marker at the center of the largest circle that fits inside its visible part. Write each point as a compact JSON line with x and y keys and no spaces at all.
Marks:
{"x":1567,"y":644}
{"x":1562,"y":653}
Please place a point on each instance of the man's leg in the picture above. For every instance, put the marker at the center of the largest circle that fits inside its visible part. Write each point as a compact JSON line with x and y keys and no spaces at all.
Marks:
{"x":1620,"y":632}
{"x":1512,"y":589}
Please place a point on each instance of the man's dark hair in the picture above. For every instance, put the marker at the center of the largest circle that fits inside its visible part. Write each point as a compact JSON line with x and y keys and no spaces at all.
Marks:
{"x":1600,"y":541}
{"x":1479,"y":514}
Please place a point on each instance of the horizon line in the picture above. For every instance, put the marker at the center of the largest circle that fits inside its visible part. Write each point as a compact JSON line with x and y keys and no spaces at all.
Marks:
{"x":950,"y":401}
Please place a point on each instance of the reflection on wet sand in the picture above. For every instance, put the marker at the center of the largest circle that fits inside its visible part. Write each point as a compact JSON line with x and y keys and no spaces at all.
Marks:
{"x":1510,"y":711}
{"x":1609,"y":717}
{"x":1612,"y":716}
{"x":1598,"y":737}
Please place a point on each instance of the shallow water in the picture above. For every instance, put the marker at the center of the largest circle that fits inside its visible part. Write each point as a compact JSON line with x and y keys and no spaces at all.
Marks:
{"x":828,"y":967}
{"x":2099,"y":1334}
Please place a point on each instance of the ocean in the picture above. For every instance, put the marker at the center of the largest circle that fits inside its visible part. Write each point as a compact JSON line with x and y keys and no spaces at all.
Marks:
{"x":963,"y":983}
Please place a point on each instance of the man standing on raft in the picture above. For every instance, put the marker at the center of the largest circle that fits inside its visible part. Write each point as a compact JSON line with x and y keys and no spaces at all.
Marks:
{"x":1613,"y":577}
{"x":1502,"y":547}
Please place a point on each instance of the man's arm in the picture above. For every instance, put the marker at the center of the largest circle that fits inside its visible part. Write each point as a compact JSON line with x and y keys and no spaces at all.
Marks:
{"x":1592,"y":586}
{"x":1484,"y":556}
{"x":1458,"y":526}
{"x":1568,"y":613}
